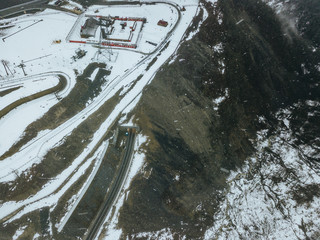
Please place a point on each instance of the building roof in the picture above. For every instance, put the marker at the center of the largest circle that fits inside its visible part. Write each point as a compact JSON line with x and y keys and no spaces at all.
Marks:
{"x":162,"y":23}
{"x":89,"y":28}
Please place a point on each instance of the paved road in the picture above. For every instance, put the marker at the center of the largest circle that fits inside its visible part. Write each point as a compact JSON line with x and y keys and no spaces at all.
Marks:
{"x":115,"y":188}
{"x":37,"y":4}
{"x":23,"y":7}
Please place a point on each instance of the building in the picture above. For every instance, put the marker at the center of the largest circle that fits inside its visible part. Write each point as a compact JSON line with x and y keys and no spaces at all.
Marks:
{"x":162,"y":23}
{"x":89,"y":28}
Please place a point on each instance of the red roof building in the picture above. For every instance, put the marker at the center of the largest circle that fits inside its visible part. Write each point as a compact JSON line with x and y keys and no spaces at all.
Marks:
{"x":162,"y":23}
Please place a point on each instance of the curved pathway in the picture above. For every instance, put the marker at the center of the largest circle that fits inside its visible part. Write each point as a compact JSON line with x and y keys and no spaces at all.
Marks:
{"x":62,"y":87}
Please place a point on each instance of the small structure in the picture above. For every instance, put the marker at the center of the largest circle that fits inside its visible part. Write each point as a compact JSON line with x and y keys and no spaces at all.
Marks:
{"x":89,"y":28}
{"x":106,"y":21}
{"x":56,"y":41}
{"x":152,"y":43}
{"x":133,"y":27}
{"x":77,"y":10}
{"x":123,"y":25}
{"x":163,"y":23}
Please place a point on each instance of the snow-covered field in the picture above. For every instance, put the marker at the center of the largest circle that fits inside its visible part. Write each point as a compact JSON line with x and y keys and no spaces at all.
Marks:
{"x":33,"y":44}
{"x":27,"y":89}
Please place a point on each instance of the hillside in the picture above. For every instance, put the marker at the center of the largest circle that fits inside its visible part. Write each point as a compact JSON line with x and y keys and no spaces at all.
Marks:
{"x":160,"y":120}
{"x":232,"y":123}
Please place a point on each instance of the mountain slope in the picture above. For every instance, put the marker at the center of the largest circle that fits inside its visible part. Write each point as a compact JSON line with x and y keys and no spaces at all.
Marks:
{"x":243,"y":92}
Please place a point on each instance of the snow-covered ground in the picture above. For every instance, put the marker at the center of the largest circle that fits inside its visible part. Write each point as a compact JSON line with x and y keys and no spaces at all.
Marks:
{"x":269,"y":197}
{"x":27,"y":89}
{"x":41,"y":54}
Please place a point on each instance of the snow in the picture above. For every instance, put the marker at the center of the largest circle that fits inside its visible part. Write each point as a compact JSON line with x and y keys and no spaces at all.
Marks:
{"x":205,"y":15}
{"x":222,"y":66}
{"x":22,"y":118}
{"x":218,"y":48}
{"x":71,"y":5}
{"x":39,"y":151}
{"x":94,"y":74}
{"x":278,"y":5}
{"x":173,"y":59}
{"x":163,"y":234}
{"x":51,"y":24}
{"x":14,"y":123}
{"x":50,"y":193}
{"x":36,"y":236}
{"x":49,"y":57}
{"x":304,"y":69}
{"x":284,"y":9}
{"x":217,"y":101}
{"x":215,"y":10}
{"x":220,"y":17}
{"x":312,"y":103}
{"x":258,"y":207}
{"x":19,"y":232}
{"x":27,"y":89}
{"x":39,"y":56}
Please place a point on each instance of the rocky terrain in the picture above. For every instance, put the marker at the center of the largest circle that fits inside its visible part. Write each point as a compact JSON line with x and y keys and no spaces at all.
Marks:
{"x":232,"y":119}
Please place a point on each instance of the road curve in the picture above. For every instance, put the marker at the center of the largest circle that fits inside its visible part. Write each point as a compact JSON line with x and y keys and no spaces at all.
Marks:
{"x":63,"y":83}
{"x":115,"y":188}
